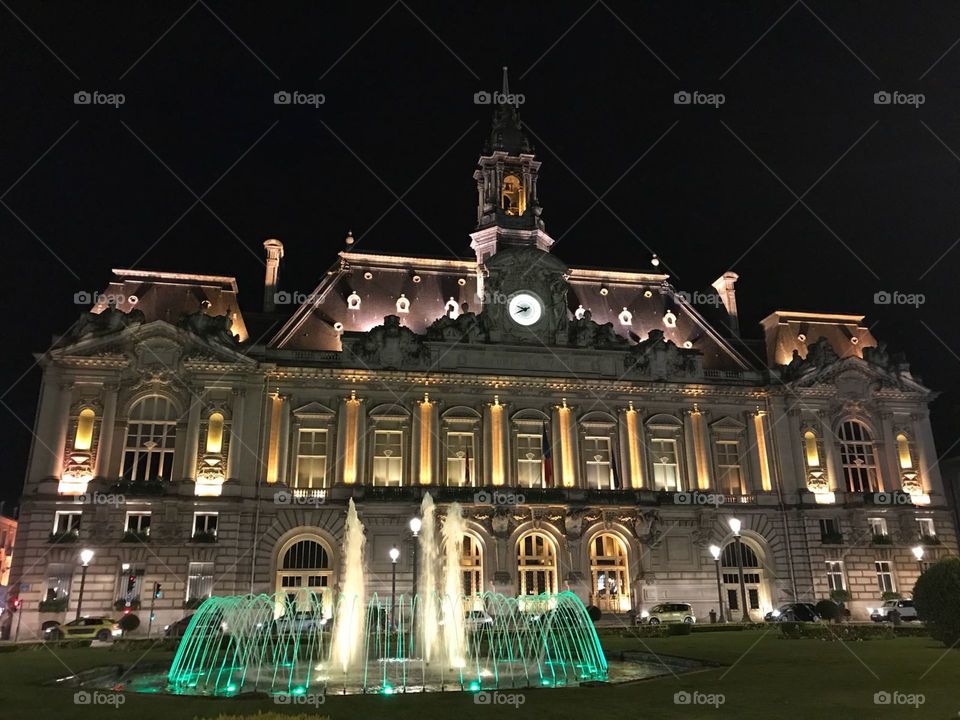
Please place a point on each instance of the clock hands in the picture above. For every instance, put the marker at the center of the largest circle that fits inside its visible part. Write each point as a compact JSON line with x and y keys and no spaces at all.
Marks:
{"x":522,"y":309}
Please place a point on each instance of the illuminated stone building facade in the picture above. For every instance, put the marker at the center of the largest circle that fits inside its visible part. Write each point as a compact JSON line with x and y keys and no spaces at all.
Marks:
{"x":599,"y":426}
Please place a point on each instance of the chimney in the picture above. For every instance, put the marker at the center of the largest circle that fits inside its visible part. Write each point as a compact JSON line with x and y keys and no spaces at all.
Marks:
{"x":274,"y":250}
{"x":724,"y":285}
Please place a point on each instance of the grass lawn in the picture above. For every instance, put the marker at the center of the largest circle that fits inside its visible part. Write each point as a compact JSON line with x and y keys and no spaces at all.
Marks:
{"x":763,"y":676}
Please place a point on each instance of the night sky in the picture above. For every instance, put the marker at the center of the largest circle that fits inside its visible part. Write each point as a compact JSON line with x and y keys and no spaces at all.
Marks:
{"x":199,"y":166}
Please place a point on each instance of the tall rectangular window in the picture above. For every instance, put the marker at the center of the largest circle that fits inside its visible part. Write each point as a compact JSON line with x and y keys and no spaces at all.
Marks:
{"x":388,"y":457}
{"x":151,"y":438}
{"x":199,"y":580}
{"x":927,"y":529}
{"x":884,"y":570}
{"x":461,"y":460}
{"x":878,"y":526}
{"x":666,"y":470}
{"x":311,"y":459}
{"x":65,"y":522}
{"x":835,"y":575}
{"x":597,"y":458}
{"x":729,"y":474}
{"x":205,"y":523}
{"x":529,"y":460}
{"x":138,"y":522}
{"x":58,"y":582}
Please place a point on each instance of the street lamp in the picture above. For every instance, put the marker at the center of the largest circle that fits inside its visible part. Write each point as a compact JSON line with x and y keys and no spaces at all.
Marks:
{"x":415,"y":525}
{"x":918,"y":554}
{"x":86,"y":555}
{"x":394,"y":556}
{"x":715,"y":551}
{"x":735,"y":525}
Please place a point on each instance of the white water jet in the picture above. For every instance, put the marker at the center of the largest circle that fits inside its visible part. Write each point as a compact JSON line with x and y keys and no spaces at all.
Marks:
{"x":427,"y":582}
{"x":348,"y":627}
{"x":454,"y":631}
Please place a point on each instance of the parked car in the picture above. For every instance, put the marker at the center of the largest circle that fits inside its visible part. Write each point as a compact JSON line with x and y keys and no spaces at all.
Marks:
{"x":177,"y":628}
{"x":883,"y":613}
{"x":85,"y":628}
{"x":793,"y":612}
{"x":299,"y":622}
{"x":668,"y":613}
{"x":477,"y":619}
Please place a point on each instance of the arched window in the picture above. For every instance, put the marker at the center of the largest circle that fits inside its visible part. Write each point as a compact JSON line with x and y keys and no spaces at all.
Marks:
{"x":536,"y":564}
{"x":904,"y":456}
{"x":151,"y":432}
{"x":471,"y":566}
{"x":214,"y":433}
{"x":858,"y":457}
{"x":610,"y":590}
{"x":511,"y":199}
{"x":752,"y":578}
{"x":304,"y":563}
{"x":83,"y":440}
{"x":811,"y":450}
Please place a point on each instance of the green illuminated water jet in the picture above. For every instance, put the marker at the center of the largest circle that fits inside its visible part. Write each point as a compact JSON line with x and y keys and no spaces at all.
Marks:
{"x":284,"y":644}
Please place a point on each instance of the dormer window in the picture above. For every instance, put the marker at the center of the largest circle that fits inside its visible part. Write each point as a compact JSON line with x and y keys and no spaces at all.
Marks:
{"x":83,"y":439}
{"x":511,"y":197}
{"x":353,"y":301}
{"x":403,"y":304}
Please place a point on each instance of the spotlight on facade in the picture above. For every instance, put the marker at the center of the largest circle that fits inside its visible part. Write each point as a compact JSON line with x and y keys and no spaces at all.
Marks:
{"x":735,"y":525}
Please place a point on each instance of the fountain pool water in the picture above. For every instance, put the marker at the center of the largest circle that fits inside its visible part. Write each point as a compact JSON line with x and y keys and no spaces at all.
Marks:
{"x":288,"y":645}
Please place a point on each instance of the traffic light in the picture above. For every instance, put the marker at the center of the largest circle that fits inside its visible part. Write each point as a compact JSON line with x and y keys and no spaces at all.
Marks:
{"x":15,"y":605}
{"x":157,"y":591}
{"x":131,"y":584}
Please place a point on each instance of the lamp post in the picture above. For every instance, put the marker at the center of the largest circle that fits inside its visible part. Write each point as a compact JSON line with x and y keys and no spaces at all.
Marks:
{"x":918,"y":554}
{"x":735,"y":525}
{"x":715,"y":551}
{"x":86,"y":555}
{"x":394,"y":556}
{"x":415,"y":524}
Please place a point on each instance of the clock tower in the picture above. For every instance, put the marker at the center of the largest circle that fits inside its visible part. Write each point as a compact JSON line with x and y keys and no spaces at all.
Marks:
{"x":508,"y":207}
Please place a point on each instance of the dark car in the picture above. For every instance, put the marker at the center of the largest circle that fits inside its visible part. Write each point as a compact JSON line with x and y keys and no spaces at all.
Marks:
{"x":177,"y":628}
{"x":793,"y":612}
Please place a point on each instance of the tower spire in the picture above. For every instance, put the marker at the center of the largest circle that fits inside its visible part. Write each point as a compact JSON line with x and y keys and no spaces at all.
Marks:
{"x":506,"y":85}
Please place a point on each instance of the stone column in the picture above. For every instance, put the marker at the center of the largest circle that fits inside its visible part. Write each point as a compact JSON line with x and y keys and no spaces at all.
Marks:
{"x":192,"y":445}
{"x":689,"y":459}
{"x":235,"y":439}
{"x":496,"y":444}
{"x":107,"y":429}
{"x":927,"y":464}
{"x":889,"y":477}
{"x":283,"y":440}
{"x":831,"y":460}
{"x":56,"y":423}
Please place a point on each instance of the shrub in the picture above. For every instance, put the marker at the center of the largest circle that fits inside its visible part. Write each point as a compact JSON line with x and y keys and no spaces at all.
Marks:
{"x":840,"y":596}
{"x":53,"y":606}
{"x":829,"y":633}
{"x":828,"y":610}
{"x":891,"y":595}
{"x":120,"y":604}
{"x":937,"y":598}
{"x":790,"y":630}
{"x":594,"y":612}
{"x":129,"y":622}
{"x":680,"y":629}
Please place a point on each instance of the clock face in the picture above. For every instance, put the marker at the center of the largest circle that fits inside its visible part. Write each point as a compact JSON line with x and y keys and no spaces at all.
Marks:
{"x":524,"y":308}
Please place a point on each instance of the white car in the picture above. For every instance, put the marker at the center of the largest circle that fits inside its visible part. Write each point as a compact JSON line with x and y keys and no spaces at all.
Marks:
{"x":905,"y":608}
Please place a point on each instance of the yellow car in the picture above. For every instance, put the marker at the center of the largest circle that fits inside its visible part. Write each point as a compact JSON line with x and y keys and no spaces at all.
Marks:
{"x":86,"y":628}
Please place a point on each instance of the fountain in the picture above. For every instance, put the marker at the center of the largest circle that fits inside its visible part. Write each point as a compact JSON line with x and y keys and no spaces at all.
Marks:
{"x":307,"y":641}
